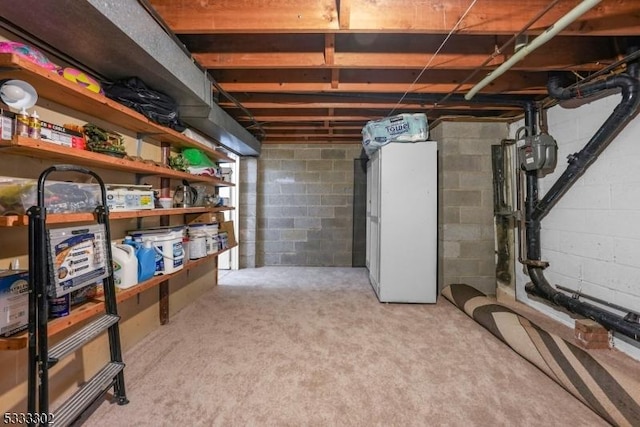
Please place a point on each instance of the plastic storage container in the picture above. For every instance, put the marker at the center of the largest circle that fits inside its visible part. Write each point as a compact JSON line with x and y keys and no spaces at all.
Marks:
{"x":17,"y":195}
{"x":198,"y":241}
{"x":211,"y":231}
{"x":167,"y":242}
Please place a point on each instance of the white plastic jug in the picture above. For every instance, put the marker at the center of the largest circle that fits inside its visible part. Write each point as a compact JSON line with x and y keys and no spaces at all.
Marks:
{"x":125,"y":265}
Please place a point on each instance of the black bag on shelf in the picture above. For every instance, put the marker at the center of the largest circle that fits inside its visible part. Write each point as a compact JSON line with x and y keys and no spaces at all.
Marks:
{"x":156,"y":106}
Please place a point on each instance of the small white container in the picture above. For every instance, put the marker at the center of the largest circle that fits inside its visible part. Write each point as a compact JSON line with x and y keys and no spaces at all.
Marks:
{"x":197,"y":245}
{"x":198,"y":241}
{"x":166,"y":202}
{"x":211,"y":231}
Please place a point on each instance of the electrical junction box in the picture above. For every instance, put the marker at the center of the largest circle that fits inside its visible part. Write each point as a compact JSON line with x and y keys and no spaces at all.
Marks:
{"x":539,"y":152}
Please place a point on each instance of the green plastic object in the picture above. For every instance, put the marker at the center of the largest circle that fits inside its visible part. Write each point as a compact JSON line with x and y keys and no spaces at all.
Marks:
{"x":196,"y":157}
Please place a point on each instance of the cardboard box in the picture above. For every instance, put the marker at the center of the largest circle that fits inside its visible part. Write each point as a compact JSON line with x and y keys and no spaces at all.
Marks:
{"x":129,"y":198}
{"x":62,"y":136}
{"x":225,"y":174}
{"x":78,"y":258}
{"x":7,"y":124}
{"x":227,"y":227}
{"x":205,"y":218}
{"x":14,"y":301}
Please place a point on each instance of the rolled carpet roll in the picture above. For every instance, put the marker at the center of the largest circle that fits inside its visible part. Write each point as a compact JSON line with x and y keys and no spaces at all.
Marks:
{"x":612,"y":395}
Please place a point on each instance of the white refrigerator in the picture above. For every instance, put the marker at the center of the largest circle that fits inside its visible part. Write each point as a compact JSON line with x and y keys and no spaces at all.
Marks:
{"x":402,"y":222}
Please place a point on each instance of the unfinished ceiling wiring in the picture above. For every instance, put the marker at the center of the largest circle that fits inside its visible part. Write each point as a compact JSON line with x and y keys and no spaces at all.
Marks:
{"x":455,"y":27}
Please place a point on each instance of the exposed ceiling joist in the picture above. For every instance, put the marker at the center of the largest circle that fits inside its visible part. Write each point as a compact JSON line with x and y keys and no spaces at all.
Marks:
{"x":611,"y":18}
{"x":319,"y":66}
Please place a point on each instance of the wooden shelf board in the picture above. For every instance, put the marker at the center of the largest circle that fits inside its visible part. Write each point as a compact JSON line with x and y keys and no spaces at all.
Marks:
{"x":23,"y":220}
{"x":96,"y":305}
{"x":62,"y":91}
{"x":43,"y":149}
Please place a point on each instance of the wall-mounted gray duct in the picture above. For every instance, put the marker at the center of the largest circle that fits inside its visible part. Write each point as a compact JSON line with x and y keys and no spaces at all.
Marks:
{"x":611,"y":394}
{"x":119,"y":38}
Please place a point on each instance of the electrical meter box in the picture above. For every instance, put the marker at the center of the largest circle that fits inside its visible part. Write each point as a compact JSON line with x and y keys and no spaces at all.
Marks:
{"x":539,"y":152}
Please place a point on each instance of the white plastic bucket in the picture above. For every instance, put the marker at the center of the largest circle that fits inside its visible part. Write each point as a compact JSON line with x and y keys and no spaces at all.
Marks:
{"x":210,"y":231}
{"x":197,"y":242}
{"x":212,"y":237}
{"x":168,"y":245}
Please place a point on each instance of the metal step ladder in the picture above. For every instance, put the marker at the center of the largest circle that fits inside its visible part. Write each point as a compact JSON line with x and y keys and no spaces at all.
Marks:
{"x":42,"y":281}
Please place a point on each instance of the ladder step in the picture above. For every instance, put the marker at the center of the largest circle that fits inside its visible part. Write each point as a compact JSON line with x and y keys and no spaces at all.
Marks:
{"x":83,"y":336}
{"x":70,"y":410}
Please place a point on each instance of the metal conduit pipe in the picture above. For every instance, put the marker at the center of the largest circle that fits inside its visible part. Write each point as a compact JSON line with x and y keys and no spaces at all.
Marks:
{"x":547,"y":35}
{"x":536,"y":210}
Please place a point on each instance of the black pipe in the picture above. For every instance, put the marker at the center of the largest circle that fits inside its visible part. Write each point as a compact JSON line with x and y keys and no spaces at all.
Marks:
{"x":580,"y":162}
{"x":532,"y":226}
{"x":536,"y":210}
{"x":541,"y":287}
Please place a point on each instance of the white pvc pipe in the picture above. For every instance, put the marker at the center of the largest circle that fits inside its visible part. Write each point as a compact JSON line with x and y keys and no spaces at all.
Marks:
{"x":548,"y":34}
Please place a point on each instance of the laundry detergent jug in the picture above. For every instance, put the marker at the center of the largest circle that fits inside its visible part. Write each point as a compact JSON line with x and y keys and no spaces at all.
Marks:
{"x":146,"y":261}
{"x":125,"y":265}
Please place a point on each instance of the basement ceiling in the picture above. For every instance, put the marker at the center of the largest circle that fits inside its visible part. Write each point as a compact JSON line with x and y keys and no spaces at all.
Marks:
{"x":315,"y":71}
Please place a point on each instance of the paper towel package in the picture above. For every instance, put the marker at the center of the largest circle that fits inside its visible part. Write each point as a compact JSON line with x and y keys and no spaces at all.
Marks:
{"x":400,"y":128}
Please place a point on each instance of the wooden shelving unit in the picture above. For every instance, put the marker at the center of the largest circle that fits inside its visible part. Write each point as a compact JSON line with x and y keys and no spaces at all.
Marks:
{"x":48,"y":150}
{"x":23,"y":220}
{"x":96,"y":305}
{"x":51,"y":86}
{"x":56,"y":88}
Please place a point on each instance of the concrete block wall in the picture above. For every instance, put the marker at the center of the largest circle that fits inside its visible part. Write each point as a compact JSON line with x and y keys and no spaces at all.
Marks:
{"x":247,"y":212}
{"x":466,"y":227}
{"x":305,"y":204}
{"x":591,"y":238}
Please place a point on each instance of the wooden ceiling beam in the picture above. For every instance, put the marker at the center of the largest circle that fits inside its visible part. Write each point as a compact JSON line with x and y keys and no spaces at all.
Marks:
{"x":461,"y":52}
{"x":360,"y":105}
{"x":320,"y":120}
{"x":312,"y":135}
{"x":293,"y":141}
{"x":610,"y":17}
{"x":285,"y":127}
{"x":344,"y":13}
{"x":308,"y":119}
{"x":430,"y":88}
{"x":375,"y":81}
{"x":444,"y":88}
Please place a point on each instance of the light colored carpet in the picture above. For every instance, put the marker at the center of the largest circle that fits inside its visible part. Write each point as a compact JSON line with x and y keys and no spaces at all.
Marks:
{"x":294,"y":346}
